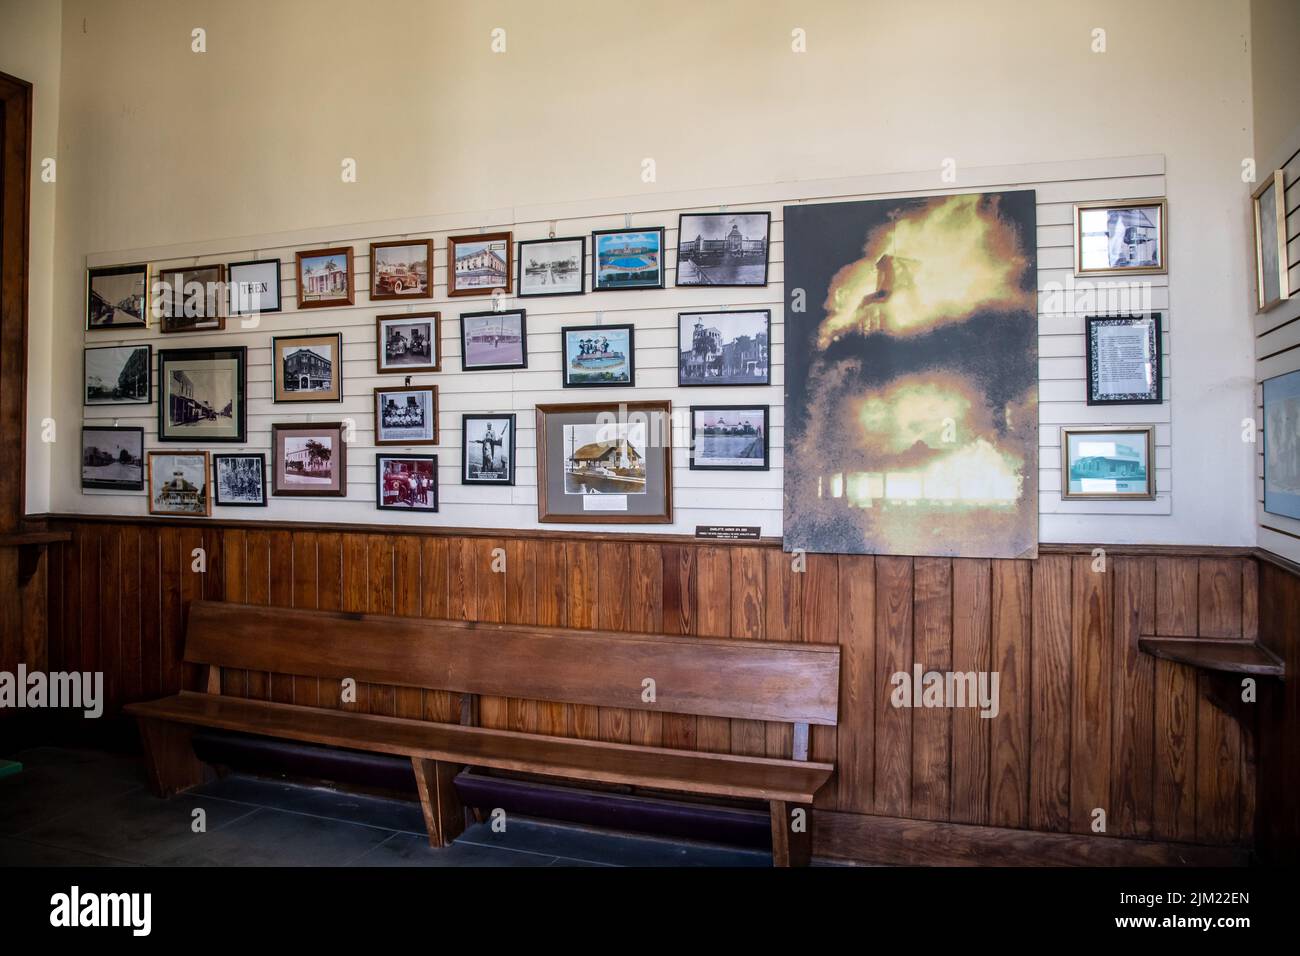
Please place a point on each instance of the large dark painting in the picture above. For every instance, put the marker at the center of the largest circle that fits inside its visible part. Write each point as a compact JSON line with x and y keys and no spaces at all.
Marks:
{"x":911,"y":371}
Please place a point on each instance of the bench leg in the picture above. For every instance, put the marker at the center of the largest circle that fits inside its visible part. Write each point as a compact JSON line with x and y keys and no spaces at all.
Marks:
{"x":443,"y":814}
{"x":169,"y":757}
{"x":791,"y":833}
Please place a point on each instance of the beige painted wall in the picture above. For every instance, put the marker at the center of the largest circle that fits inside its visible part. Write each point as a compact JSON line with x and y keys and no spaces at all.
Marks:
{"x":1274,"y":34}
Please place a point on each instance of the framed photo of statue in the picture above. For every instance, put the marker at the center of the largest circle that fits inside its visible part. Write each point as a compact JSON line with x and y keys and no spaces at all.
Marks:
{"x":307,"y":368}
{"x":201,"y":395}
{"x":1123,"y":359}
{"x":487,"y":449}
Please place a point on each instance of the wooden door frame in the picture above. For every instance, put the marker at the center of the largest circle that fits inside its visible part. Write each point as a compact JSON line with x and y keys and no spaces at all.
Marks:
{"x":15,"y":227}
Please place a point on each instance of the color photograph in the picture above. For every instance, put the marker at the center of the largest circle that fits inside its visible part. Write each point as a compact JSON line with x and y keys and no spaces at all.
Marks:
{"x":488,"y":449}
{"x":406,"y":416}
{"x":309,"y":460}
{"x":408,"y":343}
{"x":115,"y":297}
{"x":407,"y":482}
{"x":307,"y":368}
{"x":401,"y":270}
{"x":552,"y":266}
{"x":1107,"y":463}
{"x":627,"y":259}
{"x":599,"y":355}
{"x":178,"y":483}
{"x":493,"y":340}
{"x":722,"y":249}
{"x":724,"y":348}
{"x":118,"y":375}
{"x":476,"y":265}
{"x":112,"y":459}
{"x":325,"y":278}
{"x":729,"y":438}
{"x":240,"y":480}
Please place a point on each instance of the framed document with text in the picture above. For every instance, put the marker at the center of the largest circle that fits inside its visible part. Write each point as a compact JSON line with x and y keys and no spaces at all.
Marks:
{"x":1123,"y":359}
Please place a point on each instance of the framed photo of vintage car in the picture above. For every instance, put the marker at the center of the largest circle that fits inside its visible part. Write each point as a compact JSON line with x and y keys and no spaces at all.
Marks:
{"x":201,"y":394}
{"x":408,"y":343}
{"x":406,"y":482}
{"x":406,"y":416}
{"x":178,"y":483}
{"x":307,"y":368}
{"x":308,"y":460}
{"x":401,"y":270}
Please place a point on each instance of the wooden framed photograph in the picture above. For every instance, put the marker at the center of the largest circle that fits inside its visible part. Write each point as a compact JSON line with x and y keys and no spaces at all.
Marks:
{"x":1120,"y":238}
{"x":624,"y":259}
{"x":406,"y":416}
{"x":406,"y":482}
{"x":729,"y":438}
{"x":552,"y":266}
{"x":1106,"y":462}
{"x":118,"y":375}
{"x":487,"y":450}
{"x":325,"y":278}
{"x":254,"y":287}
{"x":112,"y":458}
{"x":605,"y":463}
{"x":490,"y":341}
{"x":189,"y":299}
{"x":724,"y":348}
{"x":477,"y":265}
{"x":239,"y":481}
{"x":115,"y":297}
{"x":1123,"y":359}
{"x":201,"y":394}
{"x":307,"y":368}
{"x":598,"y":356}
{"x":408,"y":343}
{"x":722,"y":249}
{"x":1271,"y":278}
{"x":1282,"y":445}
{"x":309,"y":460}
{"x":401,"y":269}
{"x":178,"y":483}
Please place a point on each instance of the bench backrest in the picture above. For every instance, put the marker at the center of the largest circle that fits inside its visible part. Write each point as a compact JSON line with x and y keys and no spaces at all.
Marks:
{"x":755,"y":680}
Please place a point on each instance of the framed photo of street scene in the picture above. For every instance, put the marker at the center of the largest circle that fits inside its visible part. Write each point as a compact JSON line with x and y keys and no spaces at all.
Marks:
{"x":189,"y":299}
{"x":118,"y":375}
{"x":490,"y":341}
{"x":1108,"y":463}
{"x":724,"y":348}
{"x":1120,"y":238}
{"x":239,"y":480}
{"x":598,"y":356}
{"x":476,"y":265}
{"x":1282,"y":445}
{"x":112,"y":458}
{"x":487,"y":450}
{"x":406,"y":482}
{"x":624,"y":259}
{"x":307,"y":368}
{"x":1123,"y":359}
{"x":401,"y":269}
{"x":406,"y":416}
{"x":309,"y":460}
{"x":1271,"y":279}
{"x":178,"y":483}
{"x":729,"y":438}
{"x":722,"y":249}
{"x":201,"y":394}
{"x":254,"y":287}
{"x":325,"y":278}
{"x":408,"y":343}
{"x":115,"y":297}
{"x":552,"y":266}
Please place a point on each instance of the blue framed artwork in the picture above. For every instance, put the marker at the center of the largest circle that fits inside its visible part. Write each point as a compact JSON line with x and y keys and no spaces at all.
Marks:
{"x":1282,"y":445}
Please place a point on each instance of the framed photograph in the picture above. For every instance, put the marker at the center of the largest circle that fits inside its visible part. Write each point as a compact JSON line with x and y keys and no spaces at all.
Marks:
{"x":239,"y":480}
{"x":1124,"y":359}
{"x":1282,"y":445}
{"x":487,"y":451}
{"x":325,"y":278}
{"x":724,"y":348}
{"x":401,"y":269}
{"x":1271,"y":279}
{"x":254,"y":287}
{"x":599,"y":355}
{"x":1105,"y":462}
{"x":112,"y":458}
{"x":189,"y":300}
{"x":406,"y":416}
{"x":307,"y":368}
{"x":605,"y":463}
{"x":115,"y":297}
{"x":1114,"y":239}
{"x":201,"y":394}
{"x":178,"y":483}
{"x":476,"y":265}
{"x":729,"y":438}
{"x":722,"y":248}
{"x":309,"y":460}
{"x":552,"y":266}
{"x":118,"y":375}
{"x":406,"y":482}
{"x":493,"y":340}
{"x":627,"y":259}
{"x":408,"y":343}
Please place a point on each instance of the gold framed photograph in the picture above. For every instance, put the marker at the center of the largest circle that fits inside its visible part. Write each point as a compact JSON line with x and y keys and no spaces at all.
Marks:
{"x":1121,"y":238}
{"x":1108,"y":462}
{"x":1271,"y":281}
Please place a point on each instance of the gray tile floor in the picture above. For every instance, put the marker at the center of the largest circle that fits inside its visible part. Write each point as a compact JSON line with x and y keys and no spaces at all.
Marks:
{"x":87,"y":808}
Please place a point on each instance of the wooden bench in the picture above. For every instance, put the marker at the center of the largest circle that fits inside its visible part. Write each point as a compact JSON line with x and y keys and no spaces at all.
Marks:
{"x":749,"y":680}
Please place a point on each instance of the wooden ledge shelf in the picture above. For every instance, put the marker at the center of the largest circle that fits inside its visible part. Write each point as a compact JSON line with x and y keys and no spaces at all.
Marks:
{"x":1216,"y":654}
{"x":23,"y":538}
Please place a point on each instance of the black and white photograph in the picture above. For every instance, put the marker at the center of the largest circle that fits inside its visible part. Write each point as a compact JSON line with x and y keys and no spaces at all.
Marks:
{"x":254,"y":287}
{"x":309,"y":460}
{"x":490,"y":341}
{"x":189,"y":299}
{"x":729,"y":438}
{"x":115,"y":297}
{"x":406,"y":416}
{"x":240,"y":480}
{"x":722,"y":248}
{"x":406,"y":482}
{"x":552,"y":266}
{"x":724,"y":348}
{"x":178,"y":483}
{"x":1123,"y":359}
{"x":1120,"y":238}
{"x":408,"y":343}
{"x":201,"y":394}
{"x":488,"y":450}
{"x":401,"y":269}
{"x":118,"y":375}
{"x":112,"y":459}
{"x":308,"y":368}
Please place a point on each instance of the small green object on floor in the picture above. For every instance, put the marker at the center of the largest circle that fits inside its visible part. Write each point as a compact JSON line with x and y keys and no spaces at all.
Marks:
{"x":9,"y":767}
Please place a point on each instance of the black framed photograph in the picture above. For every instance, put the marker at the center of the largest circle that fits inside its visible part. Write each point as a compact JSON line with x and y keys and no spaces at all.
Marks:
{"x":552,"y":266}
{"x":254,"y":286}
{"x":1272,"y":280}
{"x":189,"y":299}
{"x":406,"y":482}
{"x":178,"y":484}
{"x":722,"y":248}
{"x":623,"y":259}
{"x":309,"y":460}
{"x":406,"y":416}
{"x":325,"y":278}
{"x":118,"y":375}
{"x":201,"y":394}
{"x":724,"y":348}
{"x":1120,"y":238}
{"x":729,"y":438}
{"x":477,"y":265}
{"x":408,"y":343}
{"x":239,"y":481}
{"x":1108,"y":462}
{"x":112,"y":458}
{"x":307,"y":368}
{"x":1123,"y":359}
{"x":401,"y":269}
{"x":115,"y":297}
{"x":598,"y":356}
{"x":490,"y":341}
{"x":487,"y":451}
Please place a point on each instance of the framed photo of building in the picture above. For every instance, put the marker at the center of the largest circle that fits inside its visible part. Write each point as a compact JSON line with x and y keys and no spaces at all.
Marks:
{"x":1271,"y":278}
{"x":1123,"y":359}
{"x":722,"y":248}
{"x":487,"y":451}
{"x":325,"y":278}
{"x":307,"y":368}
{"x":605,"y":463}
{"x":408,"y":343}
{"x":112,"y":458}
{"x":729,"y":438}
{"x":406,"y":416}
{"x":552,"y":266}
{"x":1124,"y":238}
{"x":239,"y":480}
{"x":724,"y":348}
{"x":118,"y":375}
{"x":627,"y":259}
{"x":597,"y":356}
{"x":201,"y":394}
{"x":309,"y":460}
{"x":1282,"y":445}
{"x":401,"y":269}
{"x":115,"y":297}
{"x":476,"y":265}
{"x":406,"y":482}
{"x":189,"y":299}
{"x":1105,"y":462}
{"x":178,"y":483}
{"x":490,"y":341}
{"x":254,"y":287}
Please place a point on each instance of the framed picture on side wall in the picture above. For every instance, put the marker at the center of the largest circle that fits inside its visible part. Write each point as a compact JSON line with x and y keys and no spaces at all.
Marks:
{"x":1271,"y":276}
{"x":729,"y":438}
{"x":406,"y":482}
{"x":599,"y":355}
{"x":490,"y":341}
{"x":724,"y":348}
{"x":623,"y":259}
{"x":1123,"y":359}
{"x":406,"y":416}
{"x":1282,"y":445}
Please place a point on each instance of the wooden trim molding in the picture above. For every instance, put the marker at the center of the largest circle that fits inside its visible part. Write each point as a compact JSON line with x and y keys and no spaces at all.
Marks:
{"x":15,"y":216}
